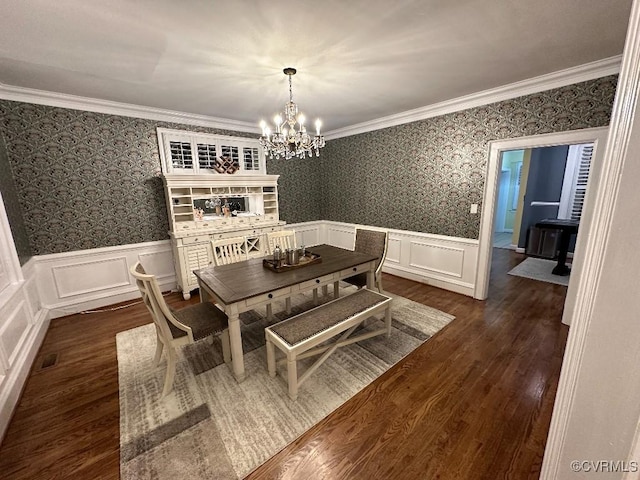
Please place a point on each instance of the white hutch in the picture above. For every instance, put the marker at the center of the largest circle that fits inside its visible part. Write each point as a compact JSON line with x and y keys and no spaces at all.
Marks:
{"x":215,"y":187}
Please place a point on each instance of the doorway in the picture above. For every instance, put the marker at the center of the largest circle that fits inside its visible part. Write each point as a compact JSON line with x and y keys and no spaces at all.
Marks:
{"x":598,"y":137}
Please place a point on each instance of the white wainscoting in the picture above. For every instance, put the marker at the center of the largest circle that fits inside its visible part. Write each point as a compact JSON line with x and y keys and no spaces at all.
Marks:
{"x":62,"y":284}
{"x":23,"y":324}
{"x":445,"y":262}
{"x":82,"y":280}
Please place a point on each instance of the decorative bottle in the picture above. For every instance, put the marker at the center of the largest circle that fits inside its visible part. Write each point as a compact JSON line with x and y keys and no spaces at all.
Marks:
{"x":277,"y":255}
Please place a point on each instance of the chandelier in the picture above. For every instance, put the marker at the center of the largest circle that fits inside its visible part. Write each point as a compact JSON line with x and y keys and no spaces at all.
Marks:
{"x":290,"y":138}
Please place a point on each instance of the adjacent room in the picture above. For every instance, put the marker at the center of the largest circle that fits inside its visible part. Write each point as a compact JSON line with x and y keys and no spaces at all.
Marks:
{"x":329,"y":240}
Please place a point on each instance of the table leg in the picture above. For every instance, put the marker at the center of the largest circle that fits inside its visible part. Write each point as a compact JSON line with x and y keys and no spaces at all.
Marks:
{"x":561,"y":268}
{"x":237,"y":359}
{"x":371,"y":278}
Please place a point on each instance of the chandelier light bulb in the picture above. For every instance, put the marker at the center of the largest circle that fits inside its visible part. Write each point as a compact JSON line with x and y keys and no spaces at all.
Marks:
{"x":318,"y":125}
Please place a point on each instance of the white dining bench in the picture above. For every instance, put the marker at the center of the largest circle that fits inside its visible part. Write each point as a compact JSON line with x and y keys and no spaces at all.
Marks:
{"x":301,"y":336}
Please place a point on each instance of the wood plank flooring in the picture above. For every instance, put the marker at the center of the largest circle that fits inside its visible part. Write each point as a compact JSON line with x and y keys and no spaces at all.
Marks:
{"x":474,"y":402}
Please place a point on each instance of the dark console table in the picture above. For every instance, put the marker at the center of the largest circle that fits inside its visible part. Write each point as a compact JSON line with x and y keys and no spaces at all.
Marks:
{"x":567,"y":228}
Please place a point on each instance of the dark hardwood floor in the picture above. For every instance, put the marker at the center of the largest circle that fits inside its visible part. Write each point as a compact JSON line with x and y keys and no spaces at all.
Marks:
{"x":474,"y":402}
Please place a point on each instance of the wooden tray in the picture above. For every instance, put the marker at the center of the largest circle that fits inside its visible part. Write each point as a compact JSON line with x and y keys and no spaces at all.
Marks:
{"x":308,"y":259}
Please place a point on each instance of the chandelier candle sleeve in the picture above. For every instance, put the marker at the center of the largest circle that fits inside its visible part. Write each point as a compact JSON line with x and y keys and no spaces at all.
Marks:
{"x":290,"y":138}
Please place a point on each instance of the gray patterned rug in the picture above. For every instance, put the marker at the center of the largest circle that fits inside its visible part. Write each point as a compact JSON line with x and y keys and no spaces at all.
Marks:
{"x":539,"y":269}
{"x":210,"y":426}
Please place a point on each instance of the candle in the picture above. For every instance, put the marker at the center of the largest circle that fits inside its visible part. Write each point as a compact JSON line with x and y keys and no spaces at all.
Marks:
{"x":318,"y":125}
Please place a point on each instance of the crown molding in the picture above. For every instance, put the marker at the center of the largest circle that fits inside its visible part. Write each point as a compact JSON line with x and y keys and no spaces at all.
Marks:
{"x":561,"y":78}
{"x":63,"y":100}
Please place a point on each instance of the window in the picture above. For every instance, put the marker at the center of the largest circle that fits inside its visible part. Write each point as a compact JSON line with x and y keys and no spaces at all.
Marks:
{"x":194,"y":153}
{"x":574,"y":186}
{"x":251,"y":159}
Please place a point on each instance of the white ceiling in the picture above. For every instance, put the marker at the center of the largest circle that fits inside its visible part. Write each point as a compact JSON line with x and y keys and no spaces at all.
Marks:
{"x":357,"y":60}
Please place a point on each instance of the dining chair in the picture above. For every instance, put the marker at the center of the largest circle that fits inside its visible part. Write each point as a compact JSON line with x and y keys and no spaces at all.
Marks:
{"x":176,"y":328}
{"x":283,"y":238}
{"x":373,"y":242}
{"x":229,"y":250}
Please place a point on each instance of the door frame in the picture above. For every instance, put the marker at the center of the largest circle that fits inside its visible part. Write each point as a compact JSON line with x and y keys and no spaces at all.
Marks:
{"x":597,"y":136}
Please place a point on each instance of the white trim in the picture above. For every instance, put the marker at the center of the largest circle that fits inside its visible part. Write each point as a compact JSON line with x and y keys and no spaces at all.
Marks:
{"x":561,"y":78}
{"x":587,"y":135}
{"x":13,"y":383}
{"x":622,"y":119}
{"x":75,"y":102}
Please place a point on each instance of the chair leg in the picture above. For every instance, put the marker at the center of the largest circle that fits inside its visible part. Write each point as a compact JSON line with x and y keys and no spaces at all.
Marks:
{"x":158,"y":356}
{"x":325,"y":290}
{"x":226,"y":346}
{"x":336,"y":289}
{"x":171,"y":371}
{"x":287,"y":303}
{"x":315,"y":296}
{"x":269,"y":311}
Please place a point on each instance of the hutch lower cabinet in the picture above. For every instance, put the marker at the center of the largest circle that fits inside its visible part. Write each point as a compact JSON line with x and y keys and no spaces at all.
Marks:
{"x":203,"y":208}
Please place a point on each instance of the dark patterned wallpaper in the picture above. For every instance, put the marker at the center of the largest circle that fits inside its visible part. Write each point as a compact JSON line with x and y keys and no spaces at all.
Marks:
{"x":423,"y":176}
{"x":89,"y":180}
{"x":12,"y":206}
{"x":84,"y":179}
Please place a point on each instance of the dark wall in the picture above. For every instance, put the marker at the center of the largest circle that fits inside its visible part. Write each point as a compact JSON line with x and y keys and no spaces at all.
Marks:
{"x":544,"y":184}
{"x":12,"y":206}
{"x":88,"y":180}
{"x":424,"y":175}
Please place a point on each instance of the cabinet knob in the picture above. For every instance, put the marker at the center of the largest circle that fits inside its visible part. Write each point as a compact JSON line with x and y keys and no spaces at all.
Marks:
{"x":317,"y":280}
{"x":270,"y":295}
{"x":355,"y":269}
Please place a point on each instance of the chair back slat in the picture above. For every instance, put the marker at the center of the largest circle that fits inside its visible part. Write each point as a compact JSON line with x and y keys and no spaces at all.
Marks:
{"x":155,"y":303}
{"x":229,"y":250}
{"x":285,"y":239}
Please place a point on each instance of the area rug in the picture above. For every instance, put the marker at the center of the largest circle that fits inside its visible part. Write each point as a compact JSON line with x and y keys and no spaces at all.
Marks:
{"x":539,"y":269}
{"x":211,"y":427}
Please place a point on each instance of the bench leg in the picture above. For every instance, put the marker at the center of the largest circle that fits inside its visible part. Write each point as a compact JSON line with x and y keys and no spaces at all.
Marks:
{"x":387,"y":320}
{"x":336,"y":289}
{"x":271,"y":358}
{"x":292,"y":377}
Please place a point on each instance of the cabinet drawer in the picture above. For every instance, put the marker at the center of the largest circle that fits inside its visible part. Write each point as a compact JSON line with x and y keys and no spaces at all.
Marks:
{"x":240,"y":221}
{"x":318,"y":282}
{"x":270,"y":216}
{"x":268,"y":296}
{"x":349,"y":272}
{"x":258,"y":219}
{"x":192,"y":240}
{"x":205,"y":225}
{"x":182,"y":226}
{"x":222,"y":223}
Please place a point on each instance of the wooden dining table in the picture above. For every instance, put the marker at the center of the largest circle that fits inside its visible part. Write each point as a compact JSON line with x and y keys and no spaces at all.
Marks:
{"x":246,"y":285}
